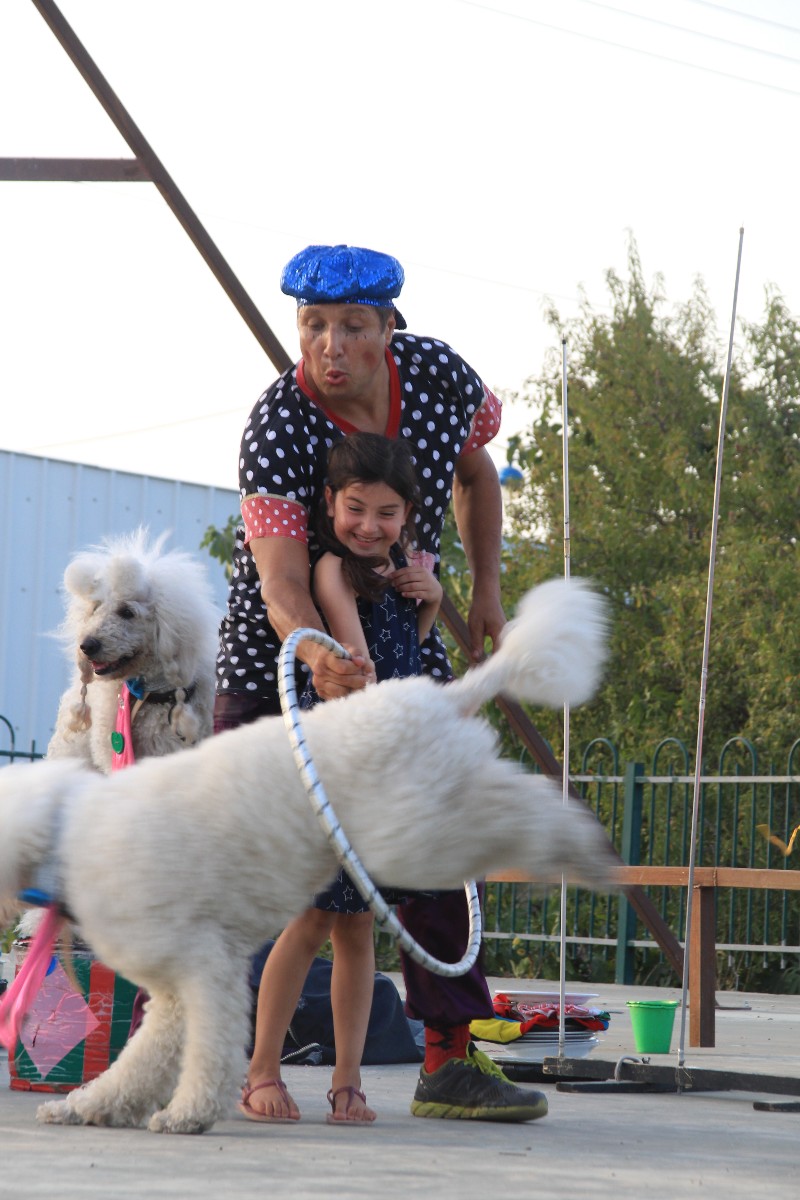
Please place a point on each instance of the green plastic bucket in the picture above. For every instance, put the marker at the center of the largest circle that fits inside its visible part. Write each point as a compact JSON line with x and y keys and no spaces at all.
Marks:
{"x":652,"y":1022}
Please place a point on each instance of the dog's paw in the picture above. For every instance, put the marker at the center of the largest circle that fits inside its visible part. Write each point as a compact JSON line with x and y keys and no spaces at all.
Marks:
{"x":58,"y":1112}
{"x":169,"y":1121}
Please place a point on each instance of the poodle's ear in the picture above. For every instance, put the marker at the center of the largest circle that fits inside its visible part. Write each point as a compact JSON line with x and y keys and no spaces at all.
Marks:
{"x":176,"y":654}
{"x":185,"y":620}
{"x":84,"y":574}
{"x":127,"y":580}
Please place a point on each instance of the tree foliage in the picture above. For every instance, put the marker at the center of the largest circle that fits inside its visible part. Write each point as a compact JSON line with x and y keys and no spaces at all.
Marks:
{"x":644,"y":394}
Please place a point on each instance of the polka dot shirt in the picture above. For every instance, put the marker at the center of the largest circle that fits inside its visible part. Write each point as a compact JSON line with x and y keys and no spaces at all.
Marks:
{"x":438,"y":404}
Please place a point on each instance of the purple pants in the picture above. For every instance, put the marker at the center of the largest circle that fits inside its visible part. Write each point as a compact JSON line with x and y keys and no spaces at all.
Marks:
{"x":439,"y":922}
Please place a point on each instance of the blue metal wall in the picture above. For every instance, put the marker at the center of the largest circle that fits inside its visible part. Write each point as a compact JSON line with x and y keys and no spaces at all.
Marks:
{"x":48,"y":511}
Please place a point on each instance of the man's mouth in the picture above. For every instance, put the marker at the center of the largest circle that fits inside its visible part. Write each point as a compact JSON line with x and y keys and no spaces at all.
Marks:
{"x":335,"y":377}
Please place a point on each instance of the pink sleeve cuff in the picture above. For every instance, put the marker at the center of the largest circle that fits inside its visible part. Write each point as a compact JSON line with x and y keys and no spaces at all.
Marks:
{"x":273,"y":516}
{"x":485,"y":423}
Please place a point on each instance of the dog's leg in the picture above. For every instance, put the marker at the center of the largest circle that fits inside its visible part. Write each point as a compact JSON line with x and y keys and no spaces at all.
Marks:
{"x":141,"y":1079}
{"x":215,"y":1001}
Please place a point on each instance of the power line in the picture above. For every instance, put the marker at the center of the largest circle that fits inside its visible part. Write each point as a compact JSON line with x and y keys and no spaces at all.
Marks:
{"x":709,"y":37}
{"x":136,"y":431}
{"x":736,"y":12}
{"x":588,"y":37}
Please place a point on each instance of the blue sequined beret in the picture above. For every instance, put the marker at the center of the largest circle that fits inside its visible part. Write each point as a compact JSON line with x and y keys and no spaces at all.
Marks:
{"x":343,"y":275}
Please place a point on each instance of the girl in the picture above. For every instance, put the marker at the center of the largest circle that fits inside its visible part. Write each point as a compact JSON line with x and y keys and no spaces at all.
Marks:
{"x":379,"y":599}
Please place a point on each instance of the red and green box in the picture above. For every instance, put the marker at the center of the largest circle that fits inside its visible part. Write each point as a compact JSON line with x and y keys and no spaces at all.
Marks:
{"x":59,"y":1017}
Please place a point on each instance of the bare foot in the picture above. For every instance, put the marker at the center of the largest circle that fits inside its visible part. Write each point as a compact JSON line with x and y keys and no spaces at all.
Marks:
{"x":349,"y":1107}
{"x":269,"y":1101}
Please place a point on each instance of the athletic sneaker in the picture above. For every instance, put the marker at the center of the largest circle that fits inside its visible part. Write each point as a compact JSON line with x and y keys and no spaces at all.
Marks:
{"x":474,"y":1089}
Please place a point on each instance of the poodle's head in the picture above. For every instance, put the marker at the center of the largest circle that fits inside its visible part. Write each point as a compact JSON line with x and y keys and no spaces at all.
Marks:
{"x":137,"y":612}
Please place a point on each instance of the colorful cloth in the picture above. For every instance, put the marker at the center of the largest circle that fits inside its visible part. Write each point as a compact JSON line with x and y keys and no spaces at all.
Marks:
{"x":545,"y":1015}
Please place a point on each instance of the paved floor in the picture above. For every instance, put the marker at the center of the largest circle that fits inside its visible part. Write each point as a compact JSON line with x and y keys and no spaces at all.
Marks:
{"x":589,"y":1147}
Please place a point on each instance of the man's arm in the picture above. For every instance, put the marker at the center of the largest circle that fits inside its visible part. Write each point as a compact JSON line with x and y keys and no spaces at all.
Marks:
{"x":283,"y":568}
{"x":478,"y":508}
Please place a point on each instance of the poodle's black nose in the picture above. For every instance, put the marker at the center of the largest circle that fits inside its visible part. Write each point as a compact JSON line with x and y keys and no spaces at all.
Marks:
{"x":91,"y":648}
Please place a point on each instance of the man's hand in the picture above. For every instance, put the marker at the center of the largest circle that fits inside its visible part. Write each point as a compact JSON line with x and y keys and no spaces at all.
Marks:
{"x":486,"y":620}
{"x":334,"y":677}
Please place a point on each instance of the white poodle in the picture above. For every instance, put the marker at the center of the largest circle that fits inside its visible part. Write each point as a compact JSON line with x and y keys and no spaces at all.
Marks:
{"x":178,"y":868}
{"x":136,"y":614}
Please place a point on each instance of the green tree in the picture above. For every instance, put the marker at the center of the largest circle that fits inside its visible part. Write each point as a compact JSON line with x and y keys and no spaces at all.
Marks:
{"x":644,"y":396}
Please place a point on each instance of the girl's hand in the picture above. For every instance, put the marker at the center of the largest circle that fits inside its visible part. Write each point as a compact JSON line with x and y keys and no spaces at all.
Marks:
{"x":417,"y":583}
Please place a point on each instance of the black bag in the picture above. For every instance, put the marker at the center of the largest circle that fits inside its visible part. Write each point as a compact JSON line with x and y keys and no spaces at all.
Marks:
{"x":391,"y":1036}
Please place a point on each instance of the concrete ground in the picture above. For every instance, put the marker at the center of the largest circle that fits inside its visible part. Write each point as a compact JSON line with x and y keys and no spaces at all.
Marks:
{"x":589,"y":1147}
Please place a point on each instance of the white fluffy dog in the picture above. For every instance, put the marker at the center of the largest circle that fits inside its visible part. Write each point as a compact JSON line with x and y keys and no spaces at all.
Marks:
{"x":178,"y":868}
{"x":137,"y":613}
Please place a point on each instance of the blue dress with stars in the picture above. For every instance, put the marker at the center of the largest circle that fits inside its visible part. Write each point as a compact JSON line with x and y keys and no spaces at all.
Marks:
{"x":391,"y":632}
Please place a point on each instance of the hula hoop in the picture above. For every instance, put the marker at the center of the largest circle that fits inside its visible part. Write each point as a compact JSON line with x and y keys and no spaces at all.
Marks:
{"x":336,"y":835}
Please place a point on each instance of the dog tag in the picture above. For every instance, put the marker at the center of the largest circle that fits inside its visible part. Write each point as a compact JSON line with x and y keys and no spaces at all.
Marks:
{"x":117,"y":742}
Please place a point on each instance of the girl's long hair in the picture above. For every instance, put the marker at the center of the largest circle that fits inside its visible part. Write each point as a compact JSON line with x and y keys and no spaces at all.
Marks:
{"x":368,"y":458}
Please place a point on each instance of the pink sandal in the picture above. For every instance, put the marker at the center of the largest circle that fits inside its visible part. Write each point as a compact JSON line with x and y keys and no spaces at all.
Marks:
{"x":351,"y":1093}
{"x":246,"y":1108}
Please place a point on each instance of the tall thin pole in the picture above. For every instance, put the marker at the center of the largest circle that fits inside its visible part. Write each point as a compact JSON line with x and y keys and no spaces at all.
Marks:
{"x":565,"y":765}
{"x":698,"y":756}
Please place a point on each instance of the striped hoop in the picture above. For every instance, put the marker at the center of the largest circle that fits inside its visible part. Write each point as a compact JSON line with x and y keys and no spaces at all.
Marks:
{"x":341,"y":847}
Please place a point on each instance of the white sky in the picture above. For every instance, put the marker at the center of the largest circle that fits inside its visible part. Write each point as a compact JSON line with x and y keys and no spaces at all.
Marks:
{"x":501,"y":150}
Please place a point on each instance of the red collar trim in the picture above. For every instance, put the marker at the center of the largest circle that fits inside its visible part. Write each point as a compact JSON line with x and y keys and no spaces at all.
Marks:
{"x":393,"y":423}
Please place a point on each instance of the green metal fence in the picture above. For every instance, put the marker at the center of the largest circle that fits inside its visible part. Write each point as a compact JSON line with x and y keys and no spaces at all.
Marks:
{"x":8,"y":745}
{"x":649,"y":817}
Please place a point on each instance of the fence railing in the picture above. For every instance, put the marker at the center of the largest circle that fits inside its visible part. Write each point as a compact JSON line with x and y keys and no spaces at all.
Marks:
{"x":8,"y":745}
{"x":649,"y":817}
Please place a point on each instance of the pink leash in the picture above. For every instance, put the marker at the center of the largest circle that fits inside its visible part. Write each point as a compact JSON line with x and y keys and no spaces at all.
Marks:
{"x":19,"y":997}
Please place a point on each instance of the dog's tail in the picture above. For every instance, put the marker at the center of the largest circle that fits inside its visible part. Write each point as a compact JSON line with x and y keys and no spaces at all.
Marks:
{"x":552,"y":653}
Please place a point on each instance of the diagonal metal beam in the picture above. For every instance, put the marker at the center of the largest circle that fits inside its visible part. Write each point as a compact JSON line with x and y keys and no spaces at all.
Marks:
{"x":158,"y":173}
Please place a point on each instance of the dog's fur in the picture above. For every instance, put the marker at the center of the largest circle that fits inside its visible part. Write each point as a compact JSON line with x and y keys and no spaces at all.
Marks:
{"x":178,"y":868}
{"x":134,"y":611}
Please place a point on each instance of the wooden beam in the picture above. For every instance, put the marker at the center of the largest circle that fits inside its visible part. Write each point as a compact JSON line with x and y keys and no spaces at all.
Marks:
{"x":733,"y":877}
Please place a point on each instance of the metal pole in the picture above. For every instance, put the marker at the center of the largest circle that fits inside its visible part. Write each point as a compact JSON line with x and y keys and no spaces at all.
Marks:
{"x":166,"y":185}
{"x":698,"y":758}
{"x":565,"y":763}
